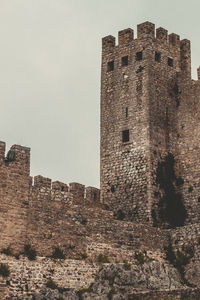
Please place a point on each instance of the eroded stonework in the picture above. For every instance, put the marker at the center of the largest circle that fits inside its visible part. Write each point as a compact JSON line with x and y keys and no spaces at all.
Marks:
{"x":150,"y":188}
{"x":147,"y":90}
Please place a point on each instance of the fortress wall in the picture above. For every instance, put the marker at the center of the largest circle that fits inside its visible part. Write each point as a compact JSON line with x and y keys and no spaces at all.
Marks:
{"x":29,"y":276}
{"x":14,"y":195}
{"x":186,"y":236}
{"x":188,"y":154}
{"x":140,"y":94}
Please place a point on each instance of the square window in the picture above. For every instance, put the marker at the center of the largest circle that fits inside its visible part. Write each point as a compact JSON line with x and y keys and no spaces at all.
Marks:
{"x":110,"y":66}
{"x":157,"y":56}
{"x":170,"y":62}
{"x":125,"y":136}
{"x":139,"y":55}
{"x":125,"y":61}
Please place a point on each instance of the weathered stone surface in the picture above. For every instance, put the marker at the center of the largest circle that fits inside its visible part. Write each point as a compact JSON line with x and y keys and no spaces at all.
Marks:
{"x":147,"y":89}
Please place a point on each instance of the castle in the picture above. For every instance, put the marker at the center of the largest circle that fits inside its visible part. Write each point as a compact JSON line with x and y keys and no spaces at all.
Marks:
{"x":149,"y":116}
{"x":150,"y":161}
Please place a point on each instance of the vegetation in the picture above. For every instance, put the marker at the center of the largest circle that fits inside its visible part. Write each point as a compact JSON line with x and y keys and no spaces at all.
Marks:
{"x":4,"y":270}
{"x":53,"y":286}
{"x":58,"y":254}
{"x":102,"y":259}
{"x":180,"y":259}
{"x":29,"y":252}
{"x":6,"y":251}
{"x":140,"y":258}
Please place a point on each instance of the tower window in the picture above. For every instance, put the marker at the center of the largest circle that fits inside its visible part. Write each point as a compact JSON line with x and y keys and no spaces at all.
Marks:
{"x":139,"y":55}
{"x":170,"y":62}
{"x":110,"y":66}
{"x":126,"y":112}
{"x":125,"y":61}
{"x":157,"y":56}
{"x":125,"y":136}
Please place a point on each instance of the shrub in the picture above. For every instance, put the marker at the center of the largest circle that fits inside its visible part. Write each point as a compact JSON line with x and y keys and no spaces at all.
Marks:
{"x":29,"y":252}
{"x":180,"y":259}
{"x":126,"y":266}
{"x":102,"y":259}
{"x":140,"y":258}
{"x":58,"y":254}
{"x":6,"y":251}
{"x":51,"y":284}
{"x":4,"y":270}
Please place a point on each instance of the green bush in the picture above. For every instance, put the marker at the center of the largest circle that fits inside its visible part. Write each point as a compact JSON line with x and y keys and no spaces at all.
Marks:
{"x":4,"y":270}
{"x":102,"y":259}
{"x":58,"y":254}
{"x":139,"y":257}
{"x":180,"y":259}
{"x":6,"y":251}
{"x":51,"y":284}
{"x":29,"y":252}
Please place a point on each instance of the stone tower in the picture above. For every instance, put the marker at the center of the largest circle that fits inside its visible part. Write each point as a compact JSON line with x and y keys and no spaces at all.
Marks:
{"x":148,"y":114}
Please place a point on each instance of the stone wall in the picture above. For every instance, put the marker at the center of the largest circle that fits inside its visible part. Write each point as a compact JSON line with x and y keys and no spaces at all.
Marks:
{"x":27,"y":276}
{"x":146,"y":88}
{"x":150,"y":280}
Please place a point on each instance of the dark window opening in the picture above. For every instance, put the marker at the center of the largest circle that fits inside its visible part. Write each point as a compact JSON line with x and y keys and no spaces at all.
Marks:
{"x":126,"y":112}
{"x":170,"y":62}
{"x":110,"y":66}
{"x":157,"y":56}
{"x":95,"y":196}
{"x":139,"y":55}
{"x":199,"y":199}
{"x":125,"y":136}
{"x":125,"y":61}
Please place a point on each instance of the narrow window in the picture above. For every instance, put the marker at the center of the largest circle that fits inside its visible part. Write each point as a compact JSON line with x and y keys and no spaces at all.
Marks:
{"x":139,"y":55}
{"x":125,"y":135}
{"x":157,"y":56}
{"x":124,"y":61}
{"x":126,"y":112}
{"x":170,"y":62}
{"x":110,"y":66}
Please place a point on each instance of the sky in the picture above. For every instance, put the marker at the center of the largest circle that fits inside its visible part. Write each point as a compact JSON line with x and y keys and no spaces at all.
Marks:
{"x":50,"y":59}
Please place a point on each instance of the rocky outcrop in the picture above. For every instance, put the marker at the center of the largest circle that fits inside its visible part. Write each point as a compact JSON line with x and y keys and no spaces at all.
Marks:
{"x":151,"y":280}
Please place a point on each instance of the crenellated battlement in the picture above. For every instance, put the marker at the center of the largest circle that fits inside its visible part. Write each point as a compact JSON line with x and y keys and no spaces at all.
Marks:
{"x":174,"y":51}
{"x":144,"y":30}
{"x":149,"y":108}
{"x":79,"y":193}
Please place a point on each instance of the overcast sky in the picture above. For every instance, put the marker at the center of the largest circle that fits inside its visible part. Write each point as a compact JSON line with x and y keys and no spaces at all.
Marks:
{"x":50,"y":57}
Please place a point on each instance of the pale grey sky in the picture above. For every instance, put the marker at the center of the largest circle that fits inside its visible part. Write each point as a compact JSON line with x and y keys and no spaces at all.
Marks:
{"x":50,"y":56}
